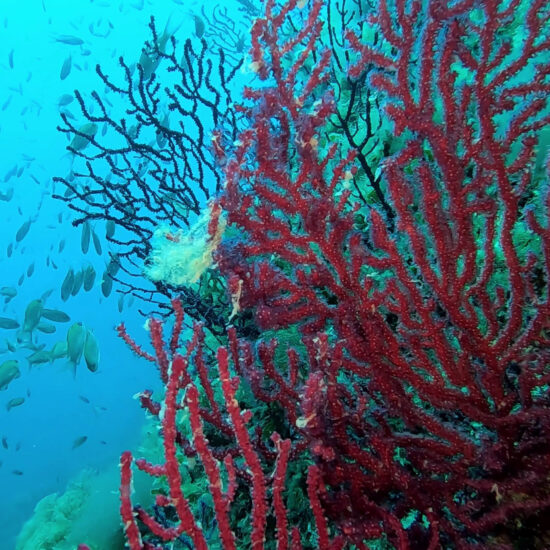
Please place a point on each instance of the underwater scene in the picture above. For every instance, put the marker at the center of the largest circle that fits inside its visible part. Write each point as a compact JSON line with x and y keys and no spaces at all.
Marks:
{"x":275,"y":274}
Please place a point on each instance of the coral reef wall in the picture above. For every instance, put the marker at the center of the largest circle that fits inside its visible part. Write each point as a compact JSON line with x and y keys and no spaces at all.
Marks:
{"x":384,"y":375}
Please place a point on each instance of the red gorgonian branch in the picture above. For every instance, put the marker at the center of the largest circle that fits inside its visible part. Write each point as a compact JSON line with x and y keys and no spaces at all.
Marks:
{"x":243,"y":461}
{"x":419,"y":384}
{"x":425,"y":385}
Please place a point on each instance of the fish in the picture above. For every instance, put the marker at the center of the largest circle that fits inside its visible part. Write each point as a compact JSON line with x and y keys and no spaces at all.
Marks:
{"x":69,"y":39}
{"x":85,"y":238}
{"x":59,"y":350}
{"x":106,"y":284}
{"x":77,"y":284}
{"x":81,"y":140}
{"x":22,"y":231}
{"x":91,"y":352}
{"x":32,"y":315}
{"x":67,"y":285}
{"x":161,"y":135}
{"x":65,"y":100}
{"x":199,"y":26}
{"x":148,"y":60}
{"x":9,"y":251}
{"x":30,"y":270}
{"x":46,"y":328}
{"x":83,"y":398}
{"x":70,"y":115}
{"x":5,"y":442}
{"x":66,"y":68}
{"x":39,"y":357}
{"x":17,"y":472}
{"x":89,"y":277}
{"x":149,"y":63}
{"x":6,"y":103}
{"x":10,"y":58}
{"x":76,"y":338}
{"x":110,"y":229}
{"x":45,"y":295}
{"x":12,"y":171}
{"x":8,"y":291}
{"x":14,"y":402}
{"x":121,"y":303}
{"x":7,"y":196}
{"x":113,"y":266}
{"x":55,"y":315}
{"x":9,"y":371}
{"x":79,"y":441}
{"x":8,"y":323}
{"x":142,"y":169}
{"x":97,"y":243}
{"x":61,"y":244}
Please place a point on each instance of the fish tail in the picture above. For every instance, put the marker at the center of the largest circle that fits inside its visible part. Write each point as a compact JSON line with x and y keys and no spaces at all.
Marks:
{"x":72,"y":365}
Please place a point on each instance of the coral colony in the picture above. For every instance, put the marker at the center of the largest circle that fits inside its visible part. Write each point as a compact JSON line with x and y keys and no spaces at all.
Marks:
{"x":383,"y":378}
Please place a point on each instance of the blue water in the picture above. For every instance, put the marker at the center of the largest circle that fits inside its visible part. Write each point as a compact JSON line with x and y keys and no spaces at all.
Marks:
{"x":59,"y":407}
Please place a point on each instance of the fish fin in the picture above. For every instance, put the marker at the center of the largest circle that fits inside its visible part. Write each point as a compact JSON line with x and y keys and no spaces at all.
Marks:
{"x":72,"y":366}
